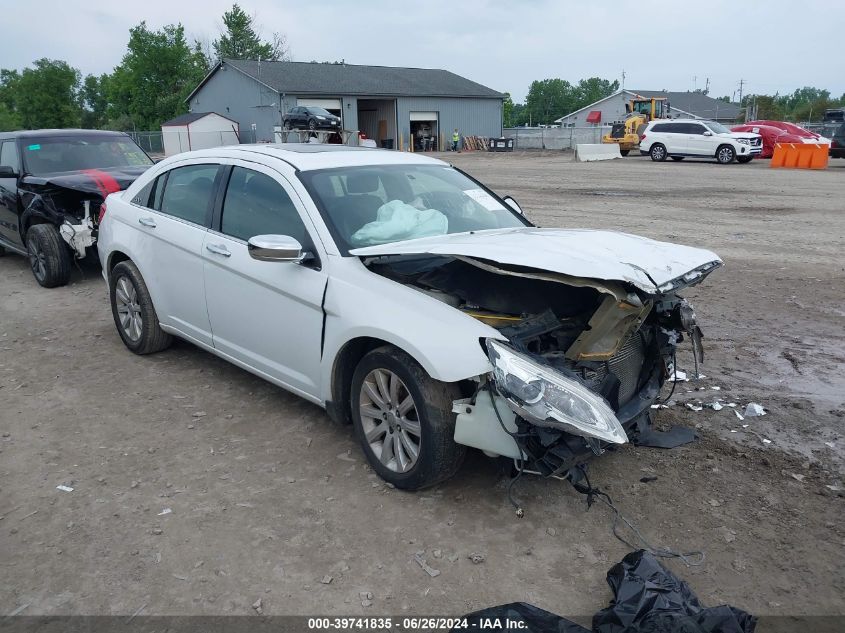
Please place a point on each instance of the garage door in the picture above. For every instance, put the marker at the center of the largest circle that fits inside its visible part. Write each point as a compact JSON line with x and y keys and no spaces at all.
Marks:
{"x":423,"y":116}
{"x":326,"y":104}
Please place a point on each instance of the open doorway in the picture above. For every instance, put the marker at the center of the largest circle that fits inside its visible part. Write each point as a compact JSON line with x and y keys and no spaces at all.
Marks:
{"x":377,"y":121}
{"x":424,"y":131}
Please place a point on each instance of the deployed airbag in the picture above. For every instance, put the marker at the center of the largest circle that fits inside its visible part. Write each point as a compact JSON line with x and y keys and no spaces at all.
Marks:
{"x":397,"y":221}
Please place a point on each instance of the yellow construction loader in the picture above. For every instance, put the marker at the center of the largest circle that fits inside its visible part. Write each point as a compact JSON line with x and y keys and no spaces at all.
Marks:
{"x":640,"y":111}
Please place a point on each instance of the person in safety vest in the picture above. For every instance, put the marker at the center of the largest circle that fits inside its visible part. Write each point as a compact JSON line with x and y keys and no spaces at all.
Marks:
{"x":456,"y":139}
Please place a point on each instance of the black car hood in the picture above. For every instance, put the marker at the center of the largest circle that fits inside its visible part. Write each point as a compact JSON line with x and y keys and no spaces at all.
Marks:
{"x":100,"y":182}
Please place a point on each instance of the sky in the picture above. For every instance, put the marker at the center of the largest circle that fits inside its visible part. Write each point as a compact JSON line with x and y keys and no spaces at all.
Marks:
{"x":676,"y":46}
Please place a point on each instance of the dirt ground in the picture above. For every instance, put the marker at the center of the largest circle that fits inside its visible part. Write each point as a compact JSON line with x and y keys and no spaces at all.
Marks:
{"x":270,"y":500}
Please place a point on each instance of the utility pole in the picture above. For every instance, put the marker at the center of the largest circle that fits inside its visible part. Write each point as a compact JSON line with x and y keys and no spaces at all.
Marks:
{"x":623,"y":79}
{"x":707,"y":86}
{"x":742,"y":81}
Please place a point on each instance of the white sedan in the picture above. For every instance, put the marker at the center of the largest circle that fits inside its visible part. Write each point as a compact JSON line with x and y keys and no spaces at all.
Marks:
{"x":402,"y":296}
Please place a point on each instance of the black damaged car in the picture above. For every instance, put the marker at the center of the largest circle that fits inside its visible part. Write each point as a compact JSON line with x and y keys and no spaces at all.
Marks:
{"x":52,"y":183}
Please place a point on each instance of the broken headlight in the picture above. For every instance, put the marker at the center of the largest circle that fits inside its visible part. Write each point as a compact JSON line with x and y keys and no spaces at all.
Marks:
{"x":547,"y":398}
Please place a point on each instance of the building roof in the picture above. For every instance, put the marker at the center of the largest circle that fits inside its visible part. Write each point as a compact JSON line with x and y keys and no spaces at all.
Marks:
{"x":313,"y":78}
{"x":190,"y":117}
{"x":695,"y":104}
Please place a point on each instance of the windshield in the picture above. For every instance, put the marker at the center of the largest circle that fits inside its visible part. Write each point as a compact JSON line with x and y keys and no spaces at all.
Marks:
{"x":365,"y":206}
{"x":717,"y":128}
{"x":74,"y":153}
{"x":320,"y":112}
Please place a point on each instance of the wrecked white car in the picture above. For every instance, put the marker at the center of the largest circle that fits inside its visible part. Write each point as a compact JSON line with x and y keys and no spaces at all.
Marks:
{"x":404,"y":297}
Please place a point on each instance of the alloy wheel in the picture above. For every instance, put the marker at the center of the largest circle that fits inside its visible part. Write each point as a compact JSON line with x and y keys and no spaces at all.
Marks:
{"x":128,"y":308}
{"x":725,"y":155}
{"x":390,"y":420}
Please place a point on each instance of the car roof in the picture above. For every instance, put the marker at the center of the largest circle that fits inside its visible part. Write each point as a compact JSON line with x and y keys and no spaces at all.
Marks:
{"x":681,"y":121}
{"x":311,"y":156}
{"x":59,"y":132}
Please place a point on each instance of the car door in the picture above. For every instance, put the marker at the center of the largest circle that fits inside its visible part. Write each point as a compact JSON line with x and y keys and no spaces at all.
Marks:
{"x":174,"y":222}
{"x":697,"y":143}
{"x":267,"y":316}
{"x":9,"y":218}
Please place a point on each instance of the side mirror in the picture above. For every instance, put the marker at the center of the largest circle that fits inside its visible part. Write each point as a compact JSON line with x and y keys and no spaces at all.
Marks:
{"x":276,"y":248}
{"x":708,"y":133}
{"x":8,"y":172}
{"x":513,"y":204}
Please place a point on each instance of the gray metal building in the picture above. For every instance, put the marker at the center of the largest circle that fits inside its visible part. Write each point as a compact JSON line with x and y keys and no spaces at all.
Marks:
{"x":693,"y":105}
{"x":389,"y":105}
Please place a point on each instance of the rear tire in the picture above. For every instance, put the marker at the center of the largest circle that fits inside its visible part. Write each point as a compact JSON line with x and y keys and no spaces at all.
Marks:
{"x":384,"y":432}
{"x":744,"y":159}
{"x":133,"y":311}
{"x":49,"y":256}
{"x":658,"y":152}
{"x":678,"y":158}
{"x":725,"y":155}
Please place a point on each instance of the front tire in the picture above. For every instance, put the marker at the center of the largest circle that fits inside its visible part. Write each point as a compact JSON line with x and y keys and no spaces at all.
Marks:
{"x":658,"y":152}
{"x":725,"y":155}
{"x":133,"y":311}
{"x":403,"y":419}
{"x":744,"y":159}
{"x":49,"y":257}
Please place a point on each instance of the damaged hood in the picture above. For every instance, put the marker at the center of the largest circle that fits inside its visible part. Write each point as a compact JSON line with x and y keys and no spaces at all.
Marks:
{"x":653,"y":267}
{"x":100,"y":182}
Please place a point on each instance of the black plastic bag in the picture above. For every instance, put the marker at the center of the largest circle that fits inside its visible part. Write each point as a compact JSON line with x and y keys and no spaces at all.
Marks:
{"x":648,"y":598}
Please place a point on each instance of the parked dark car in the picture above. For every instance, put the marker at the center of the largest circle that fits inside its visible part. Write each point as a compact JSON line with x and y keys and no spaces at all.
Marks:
{"x":837,"y":142}
{"x":310,"y":118}
{"x":52,"y":183}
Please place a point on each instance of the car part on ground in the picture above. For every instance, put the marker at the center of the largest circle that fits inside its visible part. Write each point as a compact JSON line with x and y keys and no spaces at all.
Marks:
{"x":647,"y":598}
{"x":405,"y":298}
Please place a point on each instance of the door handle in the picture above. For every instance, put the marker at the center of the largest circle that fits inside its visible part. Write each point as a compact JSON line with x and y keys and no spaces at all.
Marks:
{"x":218,"y":249}
{"x":147,"y":222}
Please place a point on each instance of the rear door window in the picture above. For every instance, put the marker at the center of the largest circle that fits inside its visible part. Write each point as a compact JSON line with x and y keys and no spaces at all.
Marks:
{"x":695,"y":128}
{"x":188,"y":193}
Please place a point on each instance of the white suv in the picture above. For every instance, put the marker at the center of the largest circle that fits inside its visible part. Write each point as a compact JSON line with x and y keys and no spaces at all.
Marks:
{"x":680,"y":138}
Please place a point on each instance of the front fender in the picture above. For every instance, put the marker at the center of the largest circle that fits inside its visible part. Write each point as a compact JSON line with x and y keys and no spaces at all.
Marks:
{"x":442,"y":339}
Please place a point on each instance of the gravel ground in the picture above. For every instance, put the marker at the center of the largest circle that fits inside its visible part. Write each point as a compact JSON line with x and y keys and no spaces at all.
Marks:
{"x":268,"y":499}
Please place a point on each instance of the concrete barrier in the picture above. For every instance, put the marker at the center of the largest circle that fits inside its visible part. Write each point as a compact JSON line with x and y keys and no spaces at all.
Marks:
{"x":602,"y":151}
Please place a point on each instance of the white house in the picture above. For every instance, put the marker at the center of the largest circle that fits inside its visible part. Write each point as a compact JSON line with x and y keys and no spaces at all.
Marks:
{"x":198,"y":130}
{"x":692,"y":105}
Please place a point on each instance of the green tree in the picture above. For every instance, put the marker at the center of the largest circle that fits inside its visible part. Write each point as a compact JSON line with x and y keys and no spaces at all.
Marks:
{"x":46,"y":95}
{"x":593,"y":89}
{"x":9,"y":119}
{"x":240,"y":40}
{"x":93,"y":97}
{"x":157,"y":73}
{"x":549,"y":99}
{"x":507,"y":111}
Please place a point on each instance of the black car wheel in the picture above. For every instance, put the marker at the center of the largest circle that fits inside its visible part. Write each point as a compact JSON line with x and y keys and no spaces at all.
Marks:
{"x":403,"y":419}
{"x":133,"y":311}
{"x":49,"y":256}
{"x":312,"y":124}
{"x":725,"y":155}
{"x":658,"y":152}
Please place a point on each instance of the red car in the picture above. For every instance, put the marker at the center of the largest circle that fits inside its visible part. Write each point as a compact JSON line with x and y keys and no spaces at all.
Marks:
{"x":770,"y":134}
{"x":797,"y":130}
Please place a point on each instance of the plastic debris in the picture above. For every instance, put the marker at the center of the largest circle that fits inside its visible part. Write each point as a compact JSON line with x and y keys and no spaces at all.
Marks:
{"x":694,"y":407}
{"x":64,"y":488}
{"x":679,"y":376}
{"x":715,"y":388}
{"x":434,"y":573}
{"x":165,"y":511}
{"x":716,"y":406}
{"x":753,"y":409}
{"x":765,"y":441}
{"x":659,"y":406}
{"x":797,"y":477}
{"x":739,"y":415}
